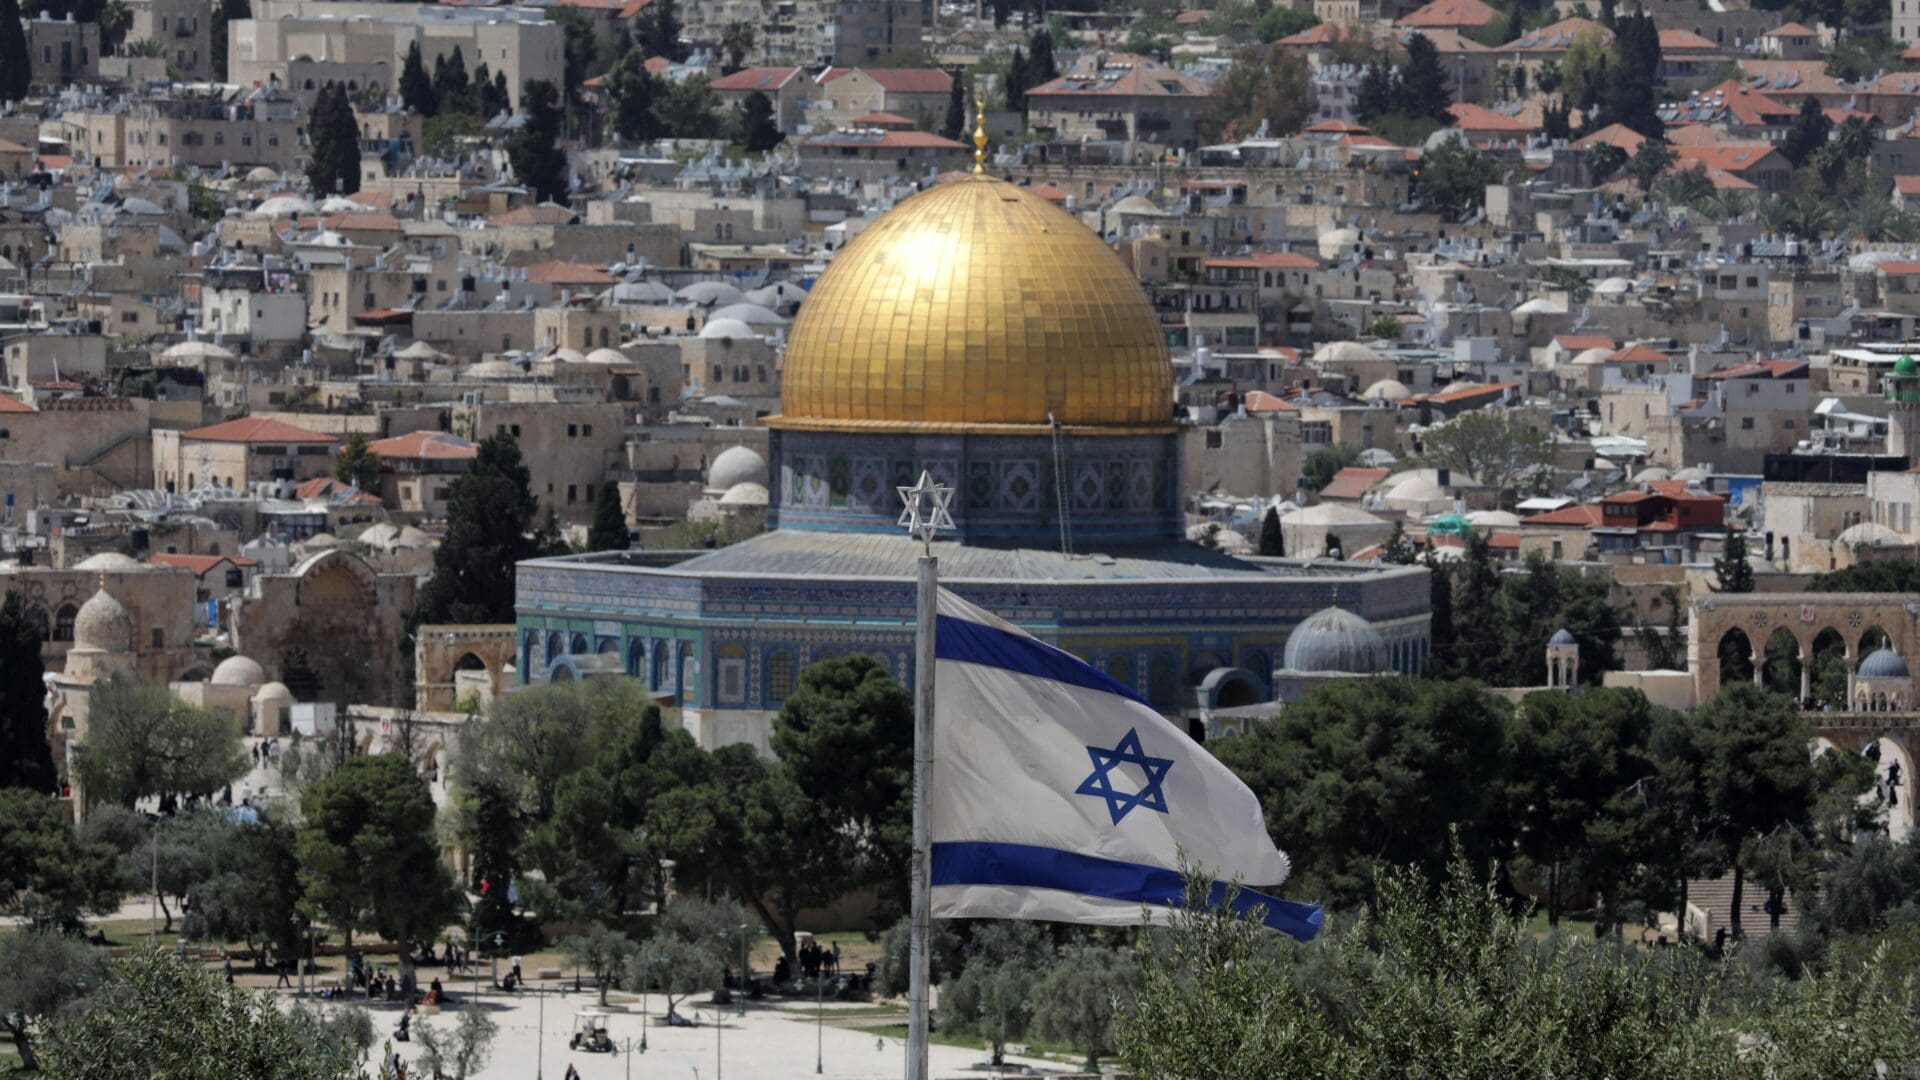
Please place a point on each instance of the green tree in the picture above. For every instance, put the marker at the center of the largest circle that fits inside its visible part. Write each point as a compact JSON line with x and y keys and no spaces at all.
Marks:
{"x":1666,"y":647}
{"x":1075,"y":1001}
{"x":954,"y":125}
{"x":335,"y":137}
{"x":368,"y":855}
{"x":1272,"y":542}
{"x":452,"y":88}
{"x":759,"y":132}
{"x":1530,"y":606}
{"x":161,"y":1015}
{"x":736,"y":41}
{"x":1604,"y":160}
{"x":26,"y":761}
{"x":416,"y":86}
{"x":143,"y":741}
{"x":1423,"y":89}
{"x":994,"y":995}
{"x":1650,"y":163}
{"x":1631,"y":93}
{"x":461,"y":1052}
{"x":601,"y":952}
{"x":1809,"y":132}
{"x":490,"y":522}
{"x":357,"y":464}
{"x":1571,"y":787}
{"x":634,"y":95}
{"x":224,"y":14}
{"x":1454,"y":178}
{"x":1755,"y":772}
{"x":1369,"y":773}
{"x":1323,"y":462}
{"x":1500,"y":448}
{"x":1732,"y":573}
{"x":1386,"y":326}
{"x":42,"y":972}
{"x":534,"y":150}
{"x":845,"y":735}
{"x":251,"y":891}
{"x":49,"y":874}
{"x":1016,"y":81}
{"x":1041,"y":68}
{"x":16,"y":65}
{"x":1269,"y":85}
{"x":689,"y":108}
{"x":1378,"y":86}
{"x":1281,"y":21}
{"x":657,"y":31}
{"x":673,"y":968}
{"x":609,"y":529}
{"x":495,"y":98}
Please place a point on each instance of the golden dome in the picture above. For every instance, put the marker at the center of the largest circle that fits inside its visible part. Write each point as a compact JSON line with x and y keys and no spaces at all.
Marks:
{"x":976,"y":306}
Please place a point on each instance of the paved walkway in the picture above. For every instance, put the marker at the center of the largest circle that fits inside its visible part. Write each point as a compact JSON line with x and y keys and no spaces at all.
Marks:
{"x":765,"y":1042}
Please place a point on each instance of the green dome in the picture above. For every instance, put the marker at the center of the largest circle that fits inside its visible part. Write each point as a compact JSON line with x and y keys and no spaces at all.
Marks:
{"x":1906,"y":366}
{"x":1447,"y":525}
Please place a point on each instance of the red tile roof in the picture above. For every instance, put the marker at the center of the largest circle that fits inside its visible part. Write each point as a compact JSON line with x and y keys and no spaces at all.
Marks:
{"x":1638,"y":354}
{"x":1583,"y":514}
{"x":256,"y":429}
{"x":11,"y":404}
{"x":883,"y":119}
{"x":1618,"y":135}
{"x":756,"y":78}
{"x":1582,"y":342}
{"x":1762,"y":369}
{"x":1353,"y":482}
{"x":1907,"y":185}
{"x":1449,"y":13}
{"x":1898,"y":269}
{"x":429,"y":445}
{"x":199,"y":564}
{"x":1259,"y":401}
{"x":543,"y":214}
{"x":1792,"y":29}
{"x":1470,"y":117}
{"x":1682,"y":40}
{"x":326,"y":487}
{"x":1466,"y":393}
{"x":568,"y":273}
{"x":1733,"y":157}
{"x":898,"y":80}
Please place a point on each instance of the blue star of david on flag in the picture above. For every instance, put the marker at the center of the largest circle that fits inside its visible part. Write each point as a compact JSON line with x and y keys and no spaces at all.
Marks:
{"x":1128,"y":752}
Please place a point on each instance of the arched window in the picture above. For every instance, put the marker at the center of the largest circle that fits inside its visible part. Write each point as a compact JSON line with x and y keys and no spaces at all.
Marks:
{"x":63,"y":622}
{"x":779,"y":676}
{"x":662,"y":665}
{"x":1162,"y":682}
{"x":579,"y":645}
{"x":731,"y":673}
{"x":556,"y":646}
{"x":637,"y":658}
{"x":36,"y":617}
{"x":1120,"y":669}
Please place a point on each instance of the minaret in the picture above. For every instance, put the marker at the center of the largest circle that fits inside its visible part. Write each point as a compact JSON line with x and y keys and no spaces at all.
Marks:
{"x":1901,"y":387}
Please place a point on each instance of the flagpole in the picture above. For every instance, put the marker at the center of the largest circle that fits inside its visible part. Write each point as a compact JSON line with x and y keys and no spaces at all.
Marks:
{"x":926,"y":514}
{"x":925,"y":607}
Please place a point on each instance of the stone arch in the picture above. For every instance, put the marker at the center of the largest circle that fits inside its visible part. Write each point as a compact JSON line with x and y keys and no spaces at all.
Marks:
{"x":298,"y":674}
{"x":1735,"y":650}
{"x":1783,"y":663}
{"x":1120,"y":669}
{"x":1230,"y":687}
{"x":609,"y":646}
{"x":1873,"y":637}
{"x":63,"y":620}
{"x":663,"y":669}
{"x":577,"y":645}
{"x":529,"y":644}
{"x":1828,"y":670}
{"x":637,"y":658}
{"x":556,"y":645}
{"x":470,"y":661}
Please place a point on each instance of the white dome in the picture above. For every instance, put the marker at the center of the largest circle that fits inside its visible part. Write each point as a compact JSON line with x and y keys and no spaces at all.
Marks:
{"x":711,"y":293}
{"x":606,"y":356}
{"x":1692,"y":474}
{"x":1458,"y":384}
{"x":273,"y":691}
{"x":238,"y":671}
{"x":1387,"y":390}
{"x":411,"y":537}
{"x":1613,"y":286}
{"x":197,"y":350}
{"x":1651,"y":473}
{"x":492,"y":369}
{"x":340,"y":204}
{"x":1415,"y":489}
{"x":727,"y":330}
{"x":1344,"y":352}
{"x":380,"y":535}
{"x":261,"y":174}
{"x":1871,"y":533}
{"x":109,"y":560}
{"x":568,"y":356}
{"x":745,"y":495}
{"x":283,"y":206}
{"x":1539,"y":305}
{"x":103,"y":625}
{"x":750,"y":313}
{"x":734,"y":466}
{"x":1493,"y":519}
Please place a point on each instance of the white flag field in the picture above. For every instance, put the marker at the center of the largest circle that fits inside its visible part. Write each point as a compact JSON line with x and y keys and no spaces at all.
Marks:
{"x":1058,"y":794}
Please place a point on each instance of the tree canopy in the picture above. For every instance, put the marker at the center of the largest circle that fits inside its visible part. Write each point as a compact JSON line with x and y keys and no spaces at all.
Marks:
{"x":368,"y":855}
{"x":490,"y":528}
{"x":1501,"y":448}
{"x":25,"y":758}
{"x":1269,"y":85}
{"x":143,"y":741}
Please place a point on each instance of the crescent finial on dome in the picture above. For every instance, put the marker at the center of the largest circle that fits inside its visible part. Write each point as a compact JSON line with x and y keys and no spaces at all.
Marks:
{"x":979,"y":135}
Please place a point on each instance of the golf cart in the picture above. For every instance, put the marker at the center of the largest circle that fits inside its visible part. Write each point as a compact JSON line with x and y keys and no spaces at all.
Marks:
{"x":590,"y":1032}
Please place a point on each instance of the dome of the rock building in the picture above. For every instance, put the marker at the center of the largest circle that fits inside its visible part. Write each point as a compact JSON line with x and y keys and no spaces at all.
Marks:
{"x":1336,"y":640}
{"x":975,"y":306}
{"x":103,"y":624}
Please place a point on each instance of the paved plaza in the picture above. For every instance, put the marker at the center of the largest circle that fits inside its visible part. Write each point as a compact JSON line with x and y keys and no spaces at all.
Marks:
{"x":764,"y":1042}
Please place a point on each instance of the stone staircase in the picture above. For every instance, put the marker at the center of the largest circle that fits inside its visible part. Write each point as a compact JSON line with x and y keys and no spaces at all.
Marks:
{"x":1710,"y":907}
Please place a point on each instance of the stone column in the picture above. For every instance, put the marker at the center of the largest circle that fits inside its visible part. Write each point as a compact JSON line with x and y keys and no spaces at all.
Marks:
{"x":1806,"y":679}
{"x":1759,"y":668}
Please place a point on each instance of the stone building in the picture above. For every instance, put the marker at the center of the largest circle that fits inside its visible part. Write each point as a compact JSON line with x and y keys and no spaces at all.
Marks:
{"x":329,"y":629}
{"x":158,"y":599}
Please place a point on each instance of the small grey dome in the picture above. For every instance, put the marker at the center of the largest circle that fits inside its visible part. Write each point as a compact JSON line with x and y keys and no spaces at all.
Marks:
{"x":103,"y":624}
{"x":1883,"y":664}
{"x":1562,"y":636}
{"x":238,"y":670}
{"x":1336,"y":640}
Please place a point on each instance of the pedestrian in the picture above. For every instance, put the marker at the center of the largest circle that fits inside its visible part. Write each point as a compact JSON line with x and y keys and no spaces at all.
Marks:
{"x":517,"y":977}
{"x":836,"y":958}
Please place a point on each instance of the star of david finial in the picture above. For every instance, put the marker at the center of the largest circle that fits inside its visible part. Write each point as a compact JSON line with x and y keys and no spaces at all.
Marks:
{"x":1128,"y":752}
{"x":928,"y":509}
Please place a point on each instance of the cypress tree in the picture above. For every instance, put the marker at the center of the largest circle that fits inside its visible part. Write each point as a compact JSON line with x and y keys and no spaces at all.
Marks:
{"x":25,"y":760}
{"x":16,"y":64}
{"x":450,"y":83}
{"x":490,"y":525}
{"x":955,"y":124}
{"x":1271,"y":540}
{"x":1017,"y":81}
{"x":609,"y":529}
{"x":416,"y":86}
{"x":335,"y":138}
{"x":757,"y":129}
{"x":534,"y":150}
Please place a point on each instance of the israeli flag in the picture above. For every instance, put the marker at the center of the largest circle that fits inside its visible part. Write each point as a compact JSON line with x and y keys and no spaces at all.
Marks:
{"x":1057,"y":793}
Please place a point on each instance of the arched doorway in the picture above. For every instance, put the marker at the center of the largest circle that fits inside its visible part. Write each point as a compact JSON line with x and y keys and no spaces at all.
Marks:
{"x":1782,"y":674}
{"x":298,"y":674}
{"x":1827,"y":682}
{"x":1893,"y":773}
{"x":1736,"y":657}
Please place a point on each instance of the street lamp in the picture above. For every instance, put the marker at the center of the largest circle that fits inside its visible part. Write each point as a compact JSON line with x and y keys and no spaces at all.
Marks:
{"x":819,"y":1025}
{"x":646,"y":981}
{"x":540,"y":1037}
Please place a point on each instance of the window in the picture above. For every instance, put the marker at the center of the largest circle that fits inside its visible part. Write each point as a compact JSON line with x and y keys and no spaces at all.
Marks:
{"x":573,"y":431}
{"x":159,"y":638}
{"x":586,"y":430}
{"x":733,"y":673}
{"x":779,"y":676}
{"x":1746,"y":423}
{"x":1213,"y":439}
{"x":571,"y":494}
{"x":63,"y":623}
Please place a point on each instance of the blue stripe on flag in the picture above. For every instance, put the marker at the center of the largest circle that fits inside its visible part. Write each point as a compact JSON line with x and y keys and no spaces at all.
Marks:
{"x":975,"y":643}
{"x":1026,"y":866}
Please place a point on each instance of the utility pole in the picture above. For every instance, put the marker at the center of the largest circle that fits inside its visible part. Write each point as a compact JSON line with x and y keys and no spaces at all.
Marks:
{"x":927,"y":513}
